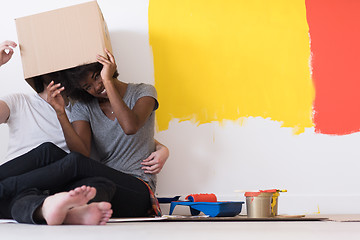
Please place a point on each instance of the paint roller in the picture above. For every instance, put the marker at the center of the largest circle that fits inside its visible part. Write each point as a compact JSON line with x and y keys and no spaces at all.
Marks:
{"x":202,"y":197}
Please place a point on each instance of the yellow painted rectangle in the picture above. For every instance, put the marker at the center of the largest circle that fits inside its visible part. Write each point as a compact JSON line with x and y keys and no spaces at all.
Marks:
{"x":217,"y":60}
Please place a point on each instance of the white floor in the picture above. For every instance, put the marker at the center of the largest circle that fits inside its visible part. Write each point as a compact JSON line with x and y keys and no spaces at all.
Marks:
{"x":187,"y":230}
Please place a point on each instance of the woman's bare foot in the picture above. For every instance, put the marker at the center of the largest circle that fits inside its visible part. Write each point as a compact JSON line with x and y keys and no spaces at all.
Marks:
{"x":96,"y":213}
{"x":56,"y":207}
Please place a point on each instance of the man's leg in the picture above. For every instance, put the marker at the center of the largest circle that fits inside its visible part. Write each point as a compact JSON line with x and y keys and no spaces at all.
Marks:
{"x":132,"y":193}
{"x":40,"y":156}
{"x":25,"y":204}
{"x":5,"y":209}
{"x":53,"y":177}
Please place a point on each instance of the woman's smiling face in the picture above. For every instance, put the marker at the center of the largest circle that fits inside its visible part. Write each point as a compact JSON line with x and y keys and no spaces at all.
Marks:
{"x":93,"y":85}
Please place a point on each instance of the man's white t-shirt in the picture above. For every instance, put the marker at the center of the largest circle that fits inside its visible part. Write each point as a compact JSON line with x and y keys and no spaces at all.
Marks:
{"x":32,"y":122}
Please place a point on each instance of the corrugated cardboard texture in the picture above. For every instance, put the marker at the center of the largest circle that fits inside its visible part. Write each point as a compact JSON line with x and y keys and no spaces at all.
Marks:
{"x":62,"y":38}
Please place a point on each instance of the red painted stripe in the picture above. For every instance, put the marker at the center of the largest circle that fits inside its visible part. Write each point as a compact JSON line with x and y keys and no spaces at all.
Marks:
{"x":334,"y":27}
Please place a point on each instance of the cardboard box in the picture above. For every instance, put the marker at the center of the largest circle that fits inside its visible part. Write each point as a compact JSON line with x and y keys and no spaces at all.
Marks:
{"x":62,"y":38}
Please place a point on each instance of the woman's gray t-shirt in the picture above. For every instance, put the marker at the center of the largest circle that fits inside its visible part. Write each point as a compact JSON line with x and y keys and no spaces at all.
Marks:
{"x":112,"y":146}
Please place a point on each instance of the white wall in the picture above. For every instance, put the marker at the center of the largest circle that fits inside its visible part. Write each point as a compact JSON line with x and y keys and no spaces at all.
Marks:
{"x":319,"y":171}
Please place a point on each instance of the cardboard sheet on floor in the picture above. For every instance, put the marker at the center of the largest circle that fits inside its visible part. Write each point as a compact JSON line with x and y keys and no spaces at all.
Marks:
{"x":180,"y":218}
{"x":244,"y":218}
{"x":343,"y":217}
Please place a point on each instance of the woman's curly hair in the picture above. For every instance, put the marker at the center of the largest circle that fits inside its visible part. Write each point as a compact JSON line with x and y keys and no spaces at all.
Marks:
{"x":73,"y":77}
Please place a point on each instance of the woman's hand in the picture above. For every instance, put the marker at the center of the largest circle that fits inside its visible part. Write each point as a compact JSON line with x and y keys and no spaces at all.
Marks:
{"x":109,"y":66}
{"x":6,"y":51}
{"x":54,"y":97}
{"x":155,"y":162}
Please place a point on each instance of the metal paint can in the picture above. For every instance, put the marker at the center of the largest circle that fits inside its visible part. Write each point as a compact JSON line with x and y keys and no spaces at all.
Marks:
{"x":258,"y":204}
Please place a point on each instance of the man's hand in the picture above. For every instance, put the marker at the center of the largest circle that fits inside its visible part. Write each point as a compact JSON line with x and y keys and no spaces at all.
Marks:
{"x":6,"y":51}
{"x":155,"y":162}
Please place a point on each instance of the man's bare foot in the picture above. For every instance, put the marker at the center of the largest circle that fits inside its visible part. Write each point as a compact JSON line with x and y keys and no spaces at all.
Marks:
{"x":96,"y":213}
{"x":56,"y":207}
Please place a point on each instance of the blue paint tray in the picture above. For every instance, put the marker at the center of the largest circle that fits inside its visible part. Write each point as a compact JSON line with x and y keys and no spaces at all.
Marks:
{"x":213,"y":209}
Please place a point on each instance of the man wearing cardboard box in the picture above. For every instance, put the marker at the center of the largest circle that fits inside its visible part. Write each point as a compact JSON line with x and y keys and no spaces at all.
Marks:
{"x":32,"y":205}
